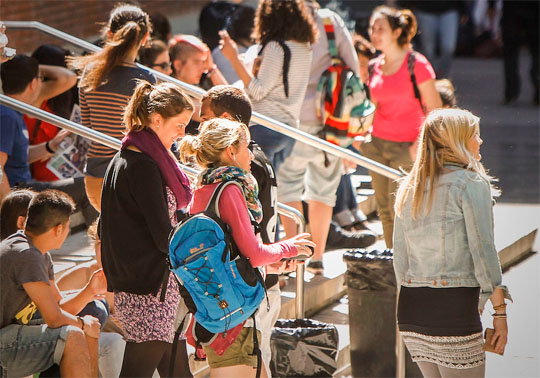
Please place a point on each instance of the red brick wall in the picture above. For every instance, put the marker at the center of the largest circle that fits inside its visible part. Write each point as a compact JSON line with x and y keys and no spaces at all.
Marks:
{"x":81,"y":18}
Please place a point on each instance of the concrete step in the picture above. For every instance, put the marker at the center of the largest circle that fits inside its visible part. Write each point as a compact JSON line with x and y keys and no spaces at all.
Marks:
{"x":515,"y":239}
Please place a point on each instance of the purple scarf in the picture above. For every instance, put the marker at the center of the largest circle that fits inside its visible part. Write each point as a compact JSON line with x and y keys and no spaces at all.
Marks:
{"x":148,"y":142}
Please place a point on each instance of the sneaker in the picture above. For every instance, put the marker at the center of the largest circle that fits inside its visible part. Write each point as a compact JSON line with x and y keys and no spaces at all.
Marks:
{"x":315,"y":267}
{"x":356,"y":226}
{"x":340,"y":238}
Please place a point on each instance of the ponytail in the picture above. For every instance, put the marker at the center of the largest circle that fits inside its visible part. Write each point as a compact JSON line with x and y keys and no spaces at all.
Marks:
{"x":165,"y":99}
{"x":214,"y":137}
{"x":127,"y":27}
{"x":136,"y":113}
{"x":408,"y":26}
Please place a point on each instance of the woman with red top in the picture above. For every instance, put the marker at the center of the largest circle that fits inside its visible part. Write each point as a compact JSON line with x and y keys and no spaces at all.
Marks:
{"x":59,"y":100}
{"x":400,"y":113}
{"x":221,"y":149}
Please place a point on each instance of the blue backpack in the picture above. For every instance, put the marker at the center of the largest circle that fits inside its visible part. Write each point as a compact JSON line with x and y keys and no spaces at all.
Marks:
{"x":218,"y":284}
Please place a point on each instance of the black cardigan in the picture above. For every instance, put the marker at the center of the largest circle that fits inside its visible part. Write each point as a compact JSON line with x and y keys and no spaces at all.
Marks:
{"x":134,"y":224}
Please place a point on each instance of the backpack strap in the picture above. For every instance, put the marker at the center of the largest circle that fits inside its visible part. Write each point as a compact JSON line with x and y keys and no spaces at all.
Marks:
{"x":213,"y":204}
{"x":411,"y":61}
{"x":331,"y":37}
{"x":370,"y":70}
{"x":286,"y":63}
{"x":175,"y":346}
{"x":256,"y":348}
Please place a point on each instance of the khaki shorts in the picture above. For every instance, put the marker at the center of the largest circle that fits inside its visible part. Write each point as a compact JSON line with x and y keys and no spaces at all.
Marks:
{"x":303,"y":175}
{"x":239,"y":353}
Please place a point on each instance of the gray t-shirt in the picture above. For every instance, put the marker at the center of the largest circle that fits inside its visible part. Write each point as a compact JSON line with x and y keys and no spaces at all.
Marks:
{"x":20,"y":262}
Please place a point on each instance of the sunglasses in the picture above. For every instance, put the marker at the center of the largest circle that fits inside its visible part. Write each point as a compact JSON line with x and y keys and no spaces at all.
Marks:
{"x":163,"y":66}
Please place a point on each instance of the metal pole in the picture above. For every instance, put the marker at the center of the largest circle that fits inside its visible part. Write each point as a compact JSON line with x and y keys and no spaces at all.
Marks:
{"x":197,"y":93}
{"x":291,"y":212}
{"x":60,"y":122}
{"x":400,"y":348}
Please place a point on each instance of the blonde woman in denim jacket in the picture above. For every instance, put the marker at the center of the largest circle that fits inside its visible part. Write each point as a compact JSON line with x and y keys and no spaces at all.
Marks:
{"x":444,"y":253}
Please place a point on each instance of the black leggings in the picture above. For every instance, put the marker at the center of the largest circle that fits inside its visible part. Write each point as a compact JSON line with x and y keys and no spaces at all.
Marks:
{"x":142,"y":359}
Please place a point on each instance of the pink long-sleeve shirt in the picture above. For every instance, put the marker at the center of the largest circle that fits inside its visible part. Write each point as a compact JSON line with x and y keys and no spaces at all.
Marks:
{"x":233,"y":211}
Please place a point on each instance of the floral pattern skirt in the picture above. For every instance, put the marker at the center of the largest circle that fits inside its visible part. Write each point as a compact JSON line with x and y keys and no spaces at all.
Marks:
{"x":144,"y":317}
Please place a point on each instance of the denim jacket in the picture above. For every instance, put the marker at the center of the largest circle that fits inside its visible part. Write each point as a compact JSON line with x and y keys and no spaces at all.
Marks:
{"x":451,"y":246}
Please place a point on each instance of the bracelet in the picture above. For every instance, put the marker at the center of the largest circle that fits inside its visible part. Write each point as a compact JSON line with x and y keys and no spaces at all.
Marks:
{"x":82,"y":322}
{"x":499,"y":316}
{"x":502,"y":306}
{"x":48,"y":148}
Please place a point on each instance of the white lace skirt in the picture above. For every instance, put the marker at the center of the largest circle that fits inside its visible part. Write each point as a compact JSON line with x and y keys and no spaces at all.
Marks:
{"x":456,"y":352}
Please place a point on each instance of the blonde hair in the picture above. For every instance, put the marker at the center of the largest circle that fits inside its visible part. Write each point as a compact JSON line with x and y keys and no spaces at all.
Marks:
{"x":128,"y":25}
{"x":443,"y":139}
{"x":214,"y":137}
{"x":165,"y":99}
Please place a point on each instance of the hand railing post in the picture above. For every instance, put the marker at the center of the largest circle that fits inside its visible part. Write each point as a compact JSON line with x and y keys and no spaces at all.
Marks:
{"x":197,"y":92}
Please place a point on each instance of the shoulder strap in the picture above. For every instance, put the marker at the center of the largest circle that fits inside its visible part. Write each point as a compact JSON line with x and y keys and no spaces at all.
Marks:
{"x":411,"y":60}
{"x":331,"y":36}
{"x":213,"y":204}
{"x":371,"y":70}
{"x":286,"y":64}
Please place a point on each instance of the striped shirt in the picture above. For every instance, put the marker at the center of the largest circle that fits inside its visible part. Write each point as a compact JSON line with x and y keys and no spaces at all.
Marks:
{"x":102,"y":109}
{"x":267,"y":92}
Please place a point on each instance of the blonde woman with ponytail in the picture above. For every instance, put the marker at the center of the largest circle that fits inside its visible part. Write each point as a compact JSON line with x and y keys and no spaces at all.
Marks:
{"x":399,"y":112}
{"x":221,"y":150}
{"x":444,"y":253}
{"x":106,"y":85}
{"x":143,"y":189}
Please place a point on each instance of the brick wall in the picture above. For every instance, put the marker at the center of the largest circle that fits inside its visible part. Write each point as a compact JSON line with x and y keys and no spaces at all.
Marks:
{"x":81,"y":18}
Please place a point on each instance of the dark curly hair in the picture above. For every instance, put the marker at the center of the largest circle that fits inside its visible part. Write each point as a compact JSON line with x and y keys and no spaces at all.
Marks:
{"x":284,"y":20}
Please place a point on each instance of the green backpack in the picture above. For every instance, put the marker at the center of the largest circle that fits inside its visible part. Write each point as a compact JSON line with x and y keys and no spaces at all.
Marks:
{"x":341,"y":100}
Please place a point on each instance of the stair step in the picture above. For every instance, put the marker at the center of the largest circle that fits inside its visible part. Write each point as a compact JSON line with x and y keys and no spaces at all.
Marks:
{"x":319,"y":291}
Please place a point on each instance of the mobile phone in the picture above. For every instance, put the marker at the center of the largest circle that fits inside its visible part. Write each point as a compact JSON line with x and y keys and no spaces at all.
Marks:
{"x":488,"y":336}
{"x":301,"y":257}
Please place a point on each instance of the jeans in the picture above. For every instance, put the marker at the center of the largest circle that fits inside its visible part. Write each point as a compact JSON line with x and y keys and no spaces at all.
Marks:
{"x":346,"y":211}
{"x":441,"y":28}
{"x":29,"y":349}
{"x":275,"y":145}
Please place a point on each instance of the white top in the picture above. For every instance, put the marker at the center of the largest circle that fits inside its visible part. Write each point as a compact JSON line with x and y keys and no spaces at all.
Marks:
{"x":225,"y":67}
{"x":322,"y":60}
{"x":267,"y":92}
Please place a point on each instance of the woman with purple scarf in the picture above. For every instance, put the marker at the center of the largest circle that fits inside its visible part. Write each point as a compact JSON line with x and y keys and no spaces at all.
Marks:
{"x":143,"y":189}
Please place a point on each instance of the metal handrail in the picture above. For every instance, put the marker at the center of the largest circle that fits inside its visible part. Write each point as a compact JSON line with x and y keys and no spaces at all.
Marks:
{"x":114,"y":143}
{"x":198,"y":92}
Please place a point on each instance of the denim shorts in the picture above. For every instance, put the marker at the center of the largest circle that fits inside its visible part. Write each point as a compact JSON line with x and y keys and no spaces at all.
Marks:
{"x":29,"y":349}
